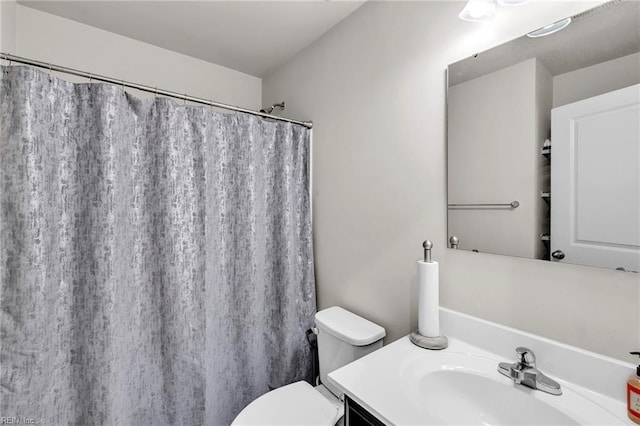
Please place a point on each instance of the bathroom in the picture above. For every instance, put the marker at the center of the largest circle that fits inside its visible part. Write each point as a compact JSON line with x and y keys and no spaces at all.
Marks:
{"x":374,"y":85}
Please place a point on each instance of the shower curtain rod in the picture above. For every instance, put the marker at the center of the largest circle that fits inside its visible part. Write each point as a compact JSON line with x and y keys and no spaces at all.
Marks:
{"x":51,"y":67}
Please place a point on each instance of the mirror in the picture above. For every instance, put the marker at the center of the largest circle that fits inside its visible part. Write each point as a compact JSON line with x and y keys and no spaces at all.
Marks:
{"x":544,"y":144}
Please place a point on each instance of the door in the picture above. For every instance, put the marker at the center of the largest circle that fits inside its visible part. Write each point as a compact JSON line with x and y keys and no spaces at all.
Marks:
{"x":595,"y":181}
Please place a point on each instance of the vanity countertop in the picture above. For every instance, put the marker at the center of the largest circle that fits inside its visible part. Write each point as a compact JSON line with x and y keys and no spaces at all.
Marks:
{"x":385,"y":383}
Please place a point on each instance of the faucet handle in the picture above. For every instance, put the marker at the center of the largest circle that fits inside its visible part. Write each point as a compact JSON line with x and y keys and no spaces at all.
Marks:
{"x":526,"y":356}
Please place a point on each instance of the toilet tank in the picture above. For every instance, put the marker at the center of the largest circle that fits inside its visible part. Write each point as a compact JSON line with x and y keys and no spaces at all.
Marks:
{"x":344,"y":337}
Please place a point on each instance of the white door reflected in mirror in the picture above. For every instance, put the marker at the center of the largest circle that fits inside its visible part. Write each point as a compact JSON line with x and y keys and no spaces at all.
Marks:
{"x":595,"y":185}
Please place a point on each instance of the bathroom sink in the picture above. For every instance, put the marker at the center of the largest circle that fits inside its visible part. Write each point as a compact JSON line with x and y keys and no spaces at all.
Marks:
{"x":465,"y":388}
{"x":402,"y":384}
{"x":458,"y":397}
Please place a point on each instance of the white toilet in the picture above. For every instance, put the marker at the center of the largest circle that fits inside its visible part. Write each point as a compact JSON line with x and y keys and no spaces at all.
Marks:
{"x":343,"y":337}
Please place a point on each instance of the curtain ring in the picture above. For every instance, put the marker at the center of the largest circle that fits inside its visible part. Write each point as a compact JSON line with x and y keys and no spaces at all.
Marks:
{"x":184,"y":99}
{"x":90,"y":78}
{"x":156,"y":93}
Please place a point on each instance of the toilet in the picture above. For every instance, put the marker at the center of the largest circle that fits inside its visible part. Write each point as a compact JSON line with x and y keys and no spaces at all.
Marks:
{"x":343,"y":337}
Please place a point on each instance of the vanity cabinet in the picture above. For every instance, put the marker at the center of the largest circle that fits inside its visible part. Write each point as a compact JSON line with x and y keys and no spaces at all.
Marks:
{"x":355,"y":415}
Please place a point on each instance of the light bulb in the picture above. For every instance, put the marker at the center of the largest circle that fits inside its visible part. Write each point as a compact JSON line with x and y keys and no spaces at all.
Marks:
{"x":478,"y":11}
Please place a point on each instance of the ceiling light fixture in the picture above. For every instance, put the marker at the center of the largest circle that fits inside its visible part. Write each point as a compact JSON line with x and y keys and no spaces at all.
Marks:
{"x":511,"y":2}
{"x":478,"y":11}
{"x":550,"y":29}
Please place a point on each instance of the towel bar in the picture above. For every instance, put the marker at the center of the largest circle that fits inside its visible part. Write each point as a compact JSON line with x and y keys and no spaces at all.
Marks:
{"x":514,"y":205}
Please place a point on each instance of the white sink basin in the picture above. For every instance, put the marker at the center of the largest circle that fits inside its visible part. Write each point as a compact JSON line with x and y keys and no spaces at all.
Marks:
{"x":463,"y":388}
{"x":485,"y":402}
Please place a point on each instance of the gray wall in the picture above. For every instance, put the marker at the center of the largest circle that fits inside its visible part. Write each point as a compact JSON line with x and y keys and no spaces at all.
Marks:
{"x":596,"y":80}
{"x":72,"y":44}
{"x":495,"y":138}
{"x":374,"y":86}
{"x":7,"y":26}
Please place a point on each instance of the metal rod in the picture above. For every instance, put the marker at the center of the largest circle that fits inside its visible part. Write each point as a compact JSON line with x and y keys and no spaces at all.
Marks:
{"x":514,"y":205}
{"x":310,"y":171}
{"x":143,"y":88}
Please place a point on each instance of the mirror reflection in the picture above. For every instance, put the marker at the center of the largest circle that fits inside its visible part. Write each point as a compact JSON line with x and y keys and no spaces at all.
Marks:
{"x":544,"y":143}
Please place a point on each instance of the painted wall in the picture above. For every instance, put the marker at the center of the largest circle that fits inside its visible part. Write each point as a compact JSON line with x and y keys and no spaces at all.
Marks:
{"x":69,"y":43}
{"x":374,"y":86}
{"x":596,"y":79}
{"x":494,"y":157}
{"x":7,"y":26}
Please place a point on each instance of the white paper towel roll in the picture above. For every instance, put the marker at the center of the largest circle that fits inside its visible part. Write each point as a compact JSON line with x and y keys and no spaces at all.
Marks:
{"x":428,"y":299}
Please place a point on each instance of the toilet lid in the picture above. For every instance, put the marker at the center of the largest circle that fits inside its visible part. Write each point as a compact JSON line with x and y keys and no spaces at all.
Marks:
{"x":296,"y":404}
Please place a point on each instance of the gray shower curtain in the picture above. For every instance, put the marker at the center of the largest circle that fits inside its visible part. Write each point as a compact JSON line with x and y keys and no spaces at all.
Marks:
{"x":156,"y":259}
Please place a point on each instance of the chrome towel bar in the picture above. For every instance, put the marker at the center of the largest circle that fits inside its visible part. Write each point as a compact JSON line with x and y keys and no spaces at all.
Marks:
{"x":514,"y":205}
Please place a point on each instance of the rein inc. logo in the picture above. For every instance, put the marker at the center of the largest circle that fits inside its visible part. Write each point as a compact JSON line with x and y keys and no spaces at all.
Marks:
{"x":17,"y":421}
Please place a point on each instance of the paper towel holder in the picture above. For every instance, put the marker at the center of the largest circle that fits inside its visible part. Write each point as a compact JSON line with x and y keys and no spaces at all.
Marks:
{"x":427,"y":245}
{"x":432,"y":343}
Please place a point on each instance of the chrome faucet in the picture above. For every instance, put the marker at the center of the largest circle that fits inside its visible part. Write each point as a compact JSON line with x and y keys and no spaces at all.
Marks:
{"x":525,"y":372}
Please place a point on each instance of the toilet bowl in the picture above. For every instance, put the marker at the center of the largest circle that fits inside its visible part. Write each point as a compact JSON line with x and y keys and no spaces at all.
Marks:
{"x":343,"y":337}
{"x":297,"y":404}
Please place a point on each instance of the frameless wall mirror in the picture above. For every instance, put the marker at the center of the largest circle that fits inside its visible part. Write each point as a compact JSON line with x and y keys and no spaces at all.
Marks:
{"x":544,"y":144}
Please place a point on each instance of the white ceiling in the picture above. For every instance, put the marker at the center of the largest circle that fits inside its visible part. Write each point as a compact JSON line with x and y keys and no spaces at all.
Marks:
{"x":253,"y":37}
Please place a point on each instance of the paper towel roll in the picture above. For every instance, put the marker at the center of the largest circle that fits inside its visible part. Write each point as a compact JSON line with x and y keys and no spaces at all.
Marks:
{"x":428,"y":299}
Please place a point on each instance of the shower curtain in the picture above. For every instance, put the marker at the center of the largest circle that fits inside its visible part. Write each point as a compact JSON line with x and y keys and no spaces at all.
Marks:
{"x":156,"y":258}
